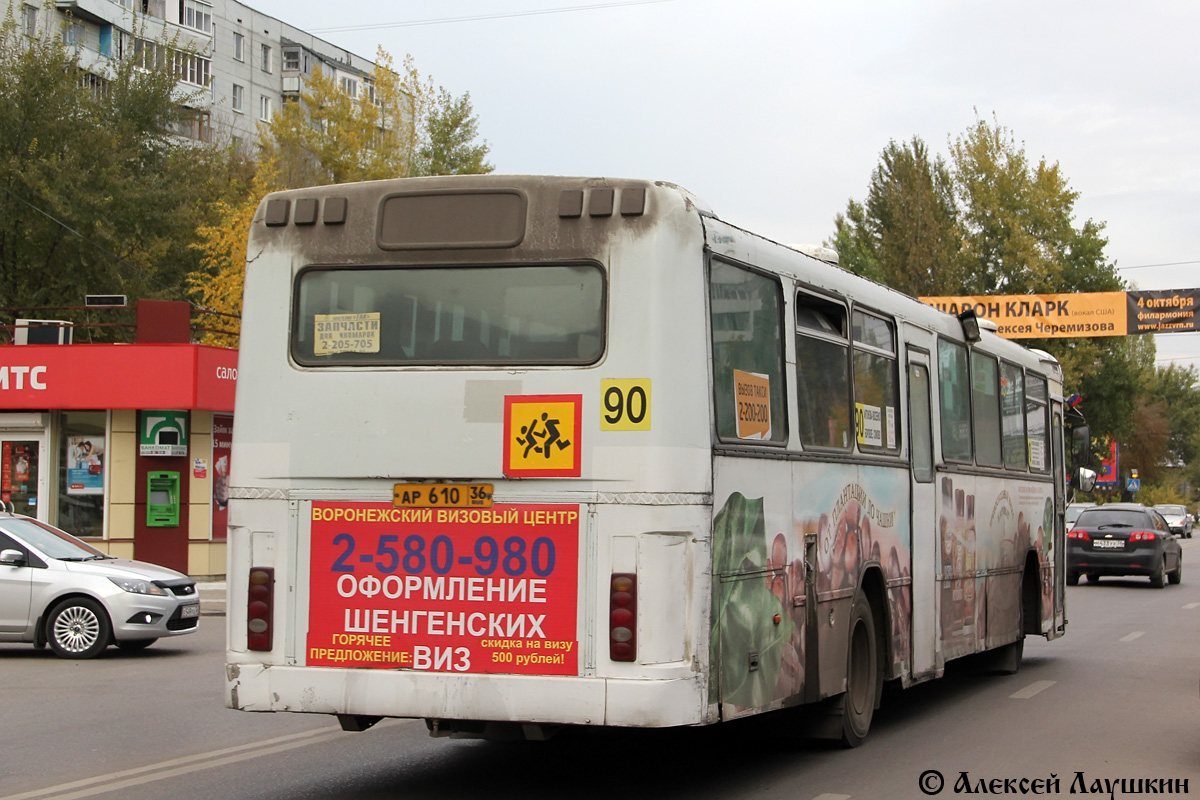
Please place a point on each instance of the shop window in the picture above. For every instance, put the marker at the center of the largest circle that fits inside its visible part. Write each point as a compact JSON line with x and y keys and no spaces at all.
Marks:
{"x":83,"y":452}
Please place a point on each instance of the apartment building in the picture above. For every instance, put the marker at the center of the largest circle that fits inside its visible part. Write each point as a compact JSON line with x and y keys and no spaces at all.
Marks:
{"x":245,"y":64}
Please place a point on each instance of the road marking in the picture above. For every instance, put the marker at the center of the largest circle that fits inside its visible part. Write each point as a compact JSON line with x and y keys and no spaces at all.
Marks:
{"x":1129,"y":637}
{"x":100,"y":784}
{"x":1192,"y":605}
{"x":832,"y":797}
{"x":1034,"y":688}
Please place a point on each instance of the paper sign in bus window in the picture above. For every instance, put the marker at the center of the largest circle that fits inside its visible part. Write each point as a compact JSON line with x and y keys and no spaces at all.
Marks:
{"x":869,"y":421}
{"x":541,"y":436}
{"x":752,"y":394}
{"x":345,"y":333}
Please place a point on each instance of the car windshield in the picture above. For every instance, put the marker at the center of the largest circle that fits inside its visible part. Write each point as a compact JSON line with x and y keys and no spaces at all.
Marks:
{"x":1172,"y":511}
{"x":50,"y":541}
{"x":1104,"y":518}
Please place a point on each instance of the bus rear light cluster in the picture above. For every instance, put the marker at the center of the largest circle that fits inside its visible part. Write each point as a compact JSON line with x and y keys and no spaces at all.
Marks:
{"x":622,"y":617}
{"x":260,"y":606}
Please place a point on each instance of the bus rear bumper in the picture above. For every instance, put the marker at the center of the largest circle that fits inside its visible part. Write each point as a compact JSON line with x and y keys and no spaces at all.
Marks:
{"x":647,"y":703}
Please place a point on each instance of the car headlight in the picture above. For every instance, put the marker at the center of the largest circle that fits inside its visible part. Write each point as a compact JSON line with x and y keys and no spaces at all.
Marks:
{"x":139,"y":586}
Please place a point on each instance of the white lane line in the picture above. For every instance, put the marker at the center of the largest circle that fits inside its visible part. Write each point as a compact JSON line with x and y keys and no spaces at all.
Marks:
{"x":1192,"y":605}
{"x":1034,"y":688}
{"x":100,"y":784}
{"x":832,"y":797}
{"x":1129,"y":637}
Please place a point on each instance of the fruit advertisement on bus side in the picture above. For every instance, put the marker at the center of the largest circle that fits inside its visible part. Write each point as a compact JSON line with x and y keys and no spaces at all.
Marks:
{"x":468,"y":590}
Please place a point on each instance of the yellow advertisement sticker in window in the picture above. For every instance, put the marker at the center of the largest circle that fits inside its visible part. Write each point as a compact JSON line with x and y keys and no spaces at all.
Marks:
{"x":345,"y":333}
{"x":752,"y":394}
{"x":541,"y":435}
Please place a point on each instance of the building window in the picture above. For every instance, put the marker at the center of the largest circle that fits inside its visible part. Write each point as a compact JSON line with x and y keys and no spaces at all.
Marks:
{"x":74,"y":35}
{"x":196,"y":16}
{"x":264,"y":59}
{"x":350,"y":87}
{"x":192,"y":69}
{"x":239,"y":98}
{"x":239,"y":47}
{"x":30,"y":20}
{"x":291,"y":59}
{"x":81,"y":476}
{"x":194,"y":125}
{"x":264,"y":108}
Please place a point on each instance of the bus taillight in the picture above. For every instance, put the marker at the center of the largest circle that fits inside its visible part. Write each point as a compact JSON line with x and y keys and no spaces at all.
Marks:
{"x":622,"y":617}
{"x":260,"y":602}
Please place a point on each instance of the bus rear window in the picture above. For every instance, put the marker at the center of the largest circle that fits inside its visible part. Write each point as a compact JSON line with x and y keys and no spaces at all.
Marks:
{"x":449,"y":315}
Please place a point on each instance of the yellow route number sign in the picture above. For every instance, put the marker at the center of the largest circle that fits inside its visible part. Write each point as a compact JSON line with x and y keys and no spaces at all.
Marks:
{"x":625,"y":405}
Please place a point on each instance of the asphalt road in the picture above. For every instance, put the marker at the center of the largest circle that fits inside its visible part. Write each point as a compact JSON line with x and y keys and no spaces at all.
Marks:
{"x":1117,"y":697}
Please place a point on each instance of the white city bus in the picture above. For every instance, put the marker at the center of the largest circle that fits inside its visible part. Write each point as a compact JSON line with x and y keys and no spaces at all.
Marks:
{"x":512,"y":453}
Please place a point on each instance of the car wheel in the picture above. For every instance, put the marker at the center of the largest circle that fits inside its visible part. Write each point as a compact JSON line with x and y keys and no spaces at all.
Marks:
{"x":1159,"y":579}
{"x":1175,"y":576}
{"x":1072,"y":579}
{"x":77,"y":628}
{"x":1093,"y":577}
{"x":136,"y":644}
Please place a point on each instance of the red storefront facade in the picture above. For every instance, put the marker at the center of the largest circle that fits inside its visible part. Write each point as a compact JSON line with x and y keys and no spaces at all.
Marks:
{"x":90,"y":434}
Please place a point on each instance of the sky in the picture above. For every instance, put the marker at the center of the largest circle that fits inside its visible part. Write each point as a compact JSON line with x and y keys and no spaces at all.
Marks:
{"x":775,"y":112}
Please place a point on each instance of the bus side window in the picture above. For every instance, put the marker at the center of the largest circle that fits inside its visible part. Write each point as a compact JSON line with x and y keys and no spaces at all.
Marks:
{"x":746,"y":317}
{"x":1035,"y":421}
{"x":954,"y":401}
{"x":876,"y":385}
{"x":1012,"y":415}
{"x":823,"y":372}
{"x":985,"y":403}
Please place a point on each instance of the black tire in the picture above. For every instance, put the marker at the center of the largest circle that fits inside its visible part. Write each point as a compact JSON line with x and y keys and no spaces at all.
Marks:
{"x":857,"y":705}
{"x":1175,"y":576}
{"x":1093,"y":577}
{"x":78,"y":627}
{"x":136,"y":644}
{"x":1072,"y":579}
{"x":1159,"y":579}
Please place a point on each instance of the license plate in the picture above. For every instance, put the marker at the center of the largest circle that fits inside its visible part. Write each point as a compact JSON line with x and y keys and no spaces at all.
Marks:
{"x":188,"y":612}
{"x":442,"y":495}
{"x":1108,"y":544}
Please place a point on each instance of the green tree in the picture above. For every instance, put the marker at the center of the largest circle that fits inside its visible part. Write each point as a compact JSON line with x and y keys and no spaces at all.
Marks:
{"x":1018,"y":221}
{"x":97,"y":194}
{"x":906,"y":234}
{"x":448,"y":145}
{"x":992,"y":221}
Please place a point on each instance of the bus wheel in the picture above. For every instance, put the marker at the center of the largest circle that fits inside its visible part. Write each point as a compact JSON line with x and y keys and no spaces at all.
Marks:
{"x":857,"y":705}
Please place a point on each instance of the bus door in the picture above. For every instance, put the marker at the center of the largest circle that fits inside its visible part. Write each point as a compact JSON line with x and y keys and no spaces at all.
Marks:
{"x":924,"y":541}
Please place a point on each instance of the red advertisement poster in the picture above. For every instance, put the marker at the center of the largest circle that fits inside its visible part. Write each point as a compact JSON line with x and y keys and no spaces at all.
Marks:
{"x":491,"y":590}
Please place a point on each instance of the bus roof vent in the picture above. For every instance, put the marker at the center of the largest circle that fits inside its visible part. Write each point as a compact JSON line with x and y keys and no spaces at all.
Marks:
{"x":819,"y":252}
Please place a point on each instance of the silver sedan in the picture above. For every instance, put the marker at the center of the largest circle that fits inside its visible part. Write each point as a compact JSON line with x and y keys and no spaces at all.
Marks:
{"x":58,"y":590}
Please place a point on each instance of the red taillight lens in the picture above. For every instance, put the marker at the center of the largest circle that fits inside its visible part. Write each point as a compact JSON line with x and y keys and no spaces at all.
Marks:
{"x":622,"y":617}
{"x":260,"y":604}
{"x":1081,"y":535}
{"x":1143,"y":536}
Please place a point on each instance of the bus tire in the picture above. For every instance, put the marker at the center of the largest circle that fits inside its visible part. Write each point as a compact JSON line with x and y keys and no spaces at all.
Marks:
{"x":856,"y":706}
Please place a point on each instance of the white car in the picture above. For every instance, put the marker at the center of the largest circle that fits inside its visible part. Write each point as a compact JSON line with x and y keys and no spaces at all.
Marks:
{"x":1073,"y":512}
{"x":58,"y":590}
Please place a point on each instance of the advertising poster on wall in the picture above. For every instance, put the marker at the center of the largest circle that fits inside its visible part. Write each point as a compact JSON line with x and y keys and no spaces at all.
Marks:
{"x":85,"y":464}
{"x":470,"y":590}
{"x":222,"y":444}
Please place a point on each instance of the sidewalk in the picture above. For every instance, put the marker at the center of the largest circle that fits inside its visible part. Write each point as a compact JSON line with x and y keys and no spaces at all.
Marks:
{"x":212,"y":598}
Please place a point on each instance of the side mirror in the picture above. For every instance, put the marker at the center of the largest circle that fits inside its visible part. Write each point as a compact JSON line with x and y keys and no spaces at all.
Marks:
{"x":12,"y":558}
{"x":1081,"y":447}
{"x":1084,"y":479}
